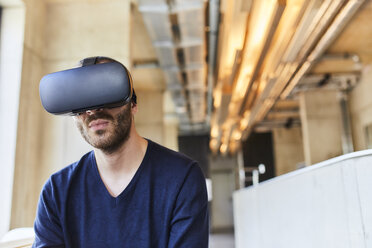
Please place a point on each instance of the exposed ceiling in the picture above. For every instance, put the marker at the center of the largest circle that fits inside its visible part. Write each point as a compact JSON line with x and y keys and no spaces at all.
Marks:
{"x":177,"y":32}
{"x":261,"y":53}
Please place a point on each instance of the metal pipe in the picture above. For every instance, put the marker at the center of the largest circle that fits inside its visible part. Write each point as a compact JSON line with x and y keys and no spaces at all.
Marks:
{"x":327,"y":12}
{"x":214,"y":17}
{"x":146,"y":64}
{"x":347,"y":138}
{"x":341,"y":56}
{"x":338,"y":24}
{"x":255,"y":177}
{"x":332,"y":32}
{"x":240,"y":179}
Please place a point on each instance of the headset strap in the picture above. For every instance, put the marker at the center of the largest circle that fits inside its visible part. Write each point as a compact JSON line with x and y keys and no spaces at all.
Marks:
{"x":89,"y":61}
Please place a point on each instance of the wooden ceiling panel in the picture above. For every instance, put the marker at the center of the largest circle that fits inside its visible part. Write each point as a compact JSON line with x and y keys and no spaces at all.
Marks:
{"x":357,"y":35}
{"x":286,"y":104}
{"x":336,"y":66}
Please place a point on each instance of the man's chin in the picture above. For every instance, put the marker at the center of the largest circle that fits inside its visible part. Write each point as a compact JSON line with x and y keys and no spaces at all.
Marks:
{"x":98,"y":138}
{"x":97,"y":133}
{"x":100,"y":143}
{"x":100,"y":132}
{"x":106,"y":146}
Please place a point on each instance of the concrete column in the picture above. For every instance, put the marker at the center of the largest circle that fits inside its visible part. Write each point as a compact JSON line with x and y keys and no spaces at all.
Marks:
{"x":361,"y":109}
{"x":171,"y":123}
{"x":222,"y":173}
{"x":170,"y":134}
{"x":149,"y":119}
{"x":288,"y":149}
{"x":321,"y":125}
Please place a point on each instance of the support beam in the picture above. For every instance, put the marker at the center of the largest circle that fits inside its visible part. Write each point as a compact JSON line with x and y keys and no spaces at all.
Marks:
{"x":321,"y":125}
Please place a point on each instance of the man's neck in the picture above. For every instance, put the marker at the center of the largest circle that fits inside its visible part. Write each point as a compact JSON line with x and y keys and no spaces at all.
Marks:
{"x":118,"y":168}
{"x":130,"y":153}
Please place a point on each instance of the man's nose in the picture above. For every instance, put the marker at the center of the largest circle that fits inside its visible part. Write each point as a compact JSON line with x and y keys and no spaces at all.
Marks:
{"x":92,"y":111}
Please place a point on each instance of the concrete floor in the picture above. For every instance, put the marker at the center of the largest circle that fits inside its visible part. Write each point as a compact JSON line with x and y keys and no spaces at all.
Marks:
{"x":221,"y":240}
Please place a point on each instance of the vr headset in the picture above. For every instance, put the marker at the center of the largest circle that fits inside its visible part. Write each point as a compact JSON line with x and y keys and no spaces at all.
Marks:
{"x":92,"y":86}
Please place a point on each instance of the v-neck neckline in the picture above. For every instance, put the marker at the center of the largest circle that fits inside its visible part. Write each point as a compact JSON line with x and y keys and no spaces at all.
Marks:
{"x":131,"y":184}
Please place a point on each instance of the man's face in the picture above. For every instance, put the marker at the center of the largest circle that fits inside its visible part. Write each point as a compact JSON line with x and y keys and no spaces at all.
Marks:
{"x":106,"y":129}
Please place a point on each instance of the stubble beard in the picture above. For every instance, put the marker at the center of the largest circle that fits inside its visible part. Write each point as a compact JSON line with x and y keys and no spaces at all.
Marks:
{"x":108,"y":141}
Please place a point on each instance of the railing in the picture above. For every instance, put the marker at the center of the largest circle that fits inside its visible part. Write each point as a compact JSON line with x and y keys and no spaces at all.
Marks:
{"x":22,"y":243}
{"x":17,"y":238}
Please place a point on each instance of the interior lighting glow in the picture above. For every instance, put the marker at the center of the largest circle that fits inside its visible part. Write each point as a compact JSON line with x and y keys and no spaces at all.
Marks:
{"x":214,"y":131}
{"x":244,"y":123}
{"x":213,"y":144}
{"x":264,"y":9}
{"x":237,"y":135}
{"x":243,"y":82}
{"x":223,"y":148}
{"x":264,"y":13}
{"x":217,"y":98}
{"x":233,"y":146}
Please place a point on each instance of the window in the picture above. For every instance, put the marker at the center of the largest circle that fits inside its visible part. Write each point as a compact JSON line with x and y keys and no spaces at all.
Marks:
{"x":11,"y":52}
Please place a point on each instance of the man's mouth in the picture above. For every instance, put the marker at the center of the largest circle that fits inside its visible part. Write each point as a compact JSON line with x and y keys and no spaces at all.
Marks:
{"x":98,"y":124}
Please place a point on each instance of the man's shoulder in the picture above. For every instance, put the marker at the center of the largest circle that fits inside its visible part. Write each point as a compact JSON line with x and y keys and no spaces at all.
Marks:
{"x":172,"y":169}
{"x":63,"y":176}
{"x":170,"y":164}
{"x":163,"y":154}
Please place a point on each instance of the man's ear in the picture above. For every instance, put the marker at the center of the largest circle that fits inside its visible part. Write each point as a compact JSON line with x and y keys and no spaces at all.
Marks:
{"x":134,"y":107}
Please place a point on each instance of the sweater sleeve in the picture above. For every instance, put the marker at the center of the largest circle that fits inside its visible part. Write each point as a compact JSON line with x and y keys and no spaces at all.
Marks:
{"x":190,"y":222}
{"x":47,"y":226}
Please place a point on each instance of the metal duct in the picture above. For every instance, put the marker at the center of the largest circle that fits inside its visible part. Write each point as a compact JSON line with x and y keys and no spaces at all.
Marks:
{"x":177,"y":31}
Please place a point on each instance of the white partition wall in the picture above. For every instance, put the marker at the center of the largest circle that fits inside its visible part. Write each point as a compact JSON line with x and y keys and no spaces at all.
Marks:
{"x":326,"y":205}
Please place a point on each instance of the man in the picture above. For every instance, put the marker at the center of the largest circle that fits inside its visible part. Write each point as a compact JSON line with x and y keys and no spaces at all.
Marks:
{"x":127,"y":192}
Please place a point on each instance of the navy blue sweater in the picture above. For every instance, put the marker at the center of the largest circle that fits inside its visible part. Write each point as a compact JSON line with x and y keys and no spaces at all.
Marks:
{"x":164,"y":205}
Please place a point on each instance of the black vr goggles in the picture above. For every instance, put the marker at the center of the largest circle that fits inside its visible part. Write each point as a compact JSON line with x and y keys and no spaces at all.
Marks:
{"x":92,"y":86}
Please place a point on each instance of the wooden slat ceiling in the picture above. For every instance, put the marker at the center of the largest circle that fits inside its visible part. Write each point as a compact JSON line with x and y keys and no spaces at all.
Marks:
{"x":355,"y":40}
{"x":357,"y":35}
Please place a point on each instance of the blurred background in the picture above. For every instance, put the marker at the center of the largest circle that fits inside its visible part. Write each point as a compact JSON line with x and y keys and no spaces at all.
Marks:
{"x":272,"y":97}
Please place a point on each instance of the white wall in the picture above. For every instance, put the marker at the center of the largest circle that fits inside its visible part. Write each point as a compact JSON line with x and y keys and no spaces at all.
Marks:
{"x":326,"y":205}
{"x":11,"y":50}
